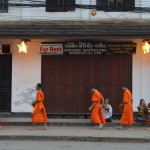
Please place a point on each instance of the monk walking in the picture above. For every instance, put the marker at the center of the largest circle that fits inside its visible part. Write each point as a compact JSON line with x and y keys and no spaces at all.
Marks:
{"x":127,"y":114}
{"x":97,"y":113}
{"x":39,"y":111}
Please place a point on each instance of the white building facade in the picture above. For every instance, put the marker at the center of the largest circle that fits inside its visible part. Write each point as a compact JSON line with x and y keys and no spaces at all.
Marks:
{"x":27,"y":68}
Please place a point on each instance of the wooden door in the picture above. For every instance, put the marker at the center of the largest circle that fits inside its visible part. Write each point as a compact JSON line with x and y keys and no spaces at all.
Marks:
{"x":5,"y":83}
{"x":68,"y":80}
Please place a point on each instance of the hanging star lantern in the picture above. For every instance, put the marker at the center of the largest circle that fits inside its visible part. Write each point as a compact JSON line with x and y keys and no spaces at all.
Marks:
{"x":146,"y":48}
{"x":22,"y":47}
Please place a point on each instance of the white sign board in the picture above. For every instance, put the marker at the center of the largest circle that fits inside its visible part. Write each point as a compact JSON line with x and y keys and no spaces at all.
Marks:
{"x":51,"y":49}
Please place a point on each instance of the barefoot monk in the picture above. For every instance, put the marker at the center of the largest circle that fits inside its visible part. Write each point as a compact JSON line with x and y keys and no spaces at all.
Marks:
{"x":127,"y":114}
{"x":39,"y":111}
{"x":97,"y":113}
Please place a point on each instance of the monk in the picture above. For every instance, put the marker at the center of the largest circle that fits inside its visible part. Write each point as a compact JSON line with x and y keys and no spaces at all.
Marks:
{"x":39,"y":111}
{"x":97,"y":113}
{"x":127,"y":114}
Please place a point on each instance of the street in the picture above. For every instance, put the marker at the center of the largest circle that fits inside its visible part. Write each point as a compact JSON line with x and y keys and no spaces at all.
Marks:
{"x":67,"y":145}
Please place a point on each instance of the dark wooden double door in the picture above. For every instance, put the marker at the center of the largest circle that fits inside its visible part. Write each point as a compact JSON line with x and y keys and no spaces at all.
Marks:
{"x":5,"y":82}
{"x":68,"y":80}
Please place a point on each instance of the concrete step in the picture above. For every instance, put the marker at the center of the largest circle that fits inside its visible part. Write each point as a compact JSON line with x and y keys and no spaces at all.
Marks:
{"x":78,"y":133}
{"x":55,"y":115}
{"x":58,"y":122}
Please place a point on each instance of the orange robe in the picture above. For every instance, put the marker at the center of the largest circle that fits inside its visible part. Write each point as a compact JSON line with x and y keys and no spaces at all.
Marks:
{"x":39,"y":111}
{"x":127,"y":115}
{"x":97,"y":115}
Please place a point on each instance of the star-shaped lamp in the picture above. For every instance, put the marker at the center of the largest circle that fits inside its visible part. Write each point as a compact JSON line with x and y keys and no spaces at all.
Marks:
{"x":146,"y":48}
{"x":22,"y":47}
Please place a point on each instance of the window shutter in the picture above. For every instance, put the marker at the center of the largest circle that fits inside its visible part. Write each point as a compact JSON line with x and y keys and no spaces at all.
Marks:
{"x":129,"y":4}
{"x":51,"y":5}
{"x":4,"y":6}
{"x":69,"y":5}
{"x":101,"y":4}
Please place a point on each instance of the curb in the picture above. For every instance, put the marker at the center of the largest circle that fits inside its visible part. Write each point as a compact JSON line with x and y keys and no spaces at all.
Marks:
{"x":65,"y":124}
{"x":75,"y":138}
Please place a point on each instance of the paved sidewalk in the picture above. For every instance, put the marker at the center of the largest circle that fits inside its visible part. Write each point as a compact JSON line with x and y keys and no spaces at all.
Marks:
{"x":70,"y":130}
{"x":51,"y":122}
{"x":57,"y":122}
{"x":78,"y":133}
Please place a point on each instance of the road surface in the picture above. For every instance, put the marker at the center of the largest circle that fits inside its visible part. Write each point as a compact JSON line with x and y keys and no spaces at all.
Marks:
{"x":67,"y":145}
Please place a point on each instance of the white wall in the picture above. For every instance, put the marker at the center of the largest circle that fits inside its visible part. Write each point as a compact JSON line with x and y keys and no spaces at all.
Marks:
{"x":14,"y":14}
{"x":140,"y":75}
{"x":145,"y":3}
{"x":26,"y":73}
{"x":39,"y":13}
{"x":78,"y":14}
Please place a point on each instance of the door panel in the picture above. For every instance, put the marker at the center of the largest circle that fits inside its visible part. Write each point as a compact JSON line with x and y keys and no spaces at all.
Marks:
{"x":68,"y":80}
{"x":5,"y":82}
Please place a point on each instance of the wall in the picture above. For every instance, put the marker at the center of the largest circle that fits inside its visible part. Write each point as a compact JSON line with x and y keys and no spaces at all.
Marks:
{"x":14,"y":14}
{"x":146,"y":4}
{"x":140,"y":75}
{"x":78,"y":14}
{"x":26,"y":73}
{"x":39,"y":13}
{"x":26,"y":68}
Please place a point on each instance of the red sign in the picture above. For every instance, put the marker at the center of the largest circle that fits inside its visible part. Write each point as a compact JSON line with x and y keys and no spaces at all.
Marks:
{"x":51,"y":49}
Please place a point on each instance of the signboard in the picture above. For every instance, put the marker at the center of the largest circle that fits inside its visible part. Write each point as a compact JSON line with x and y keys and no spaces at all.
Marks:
{"x":51,"y":49}
{"x":87,"y":48}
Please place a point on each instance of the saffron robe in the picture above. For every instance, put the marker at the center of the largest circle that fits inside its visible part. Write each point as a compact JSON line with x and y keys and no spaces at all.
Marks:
{"x":97,"y":115}
{"x":127,"y":114}
{"x":39,"y":111}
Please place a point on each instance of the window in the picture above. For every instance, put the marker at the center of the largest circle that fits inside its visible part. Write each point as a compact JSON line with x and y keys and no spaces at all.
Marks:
{"x":5,"y":48}
{"x":60,"y":5}
{"x":3,"y":6}
{"x":115,"y":5}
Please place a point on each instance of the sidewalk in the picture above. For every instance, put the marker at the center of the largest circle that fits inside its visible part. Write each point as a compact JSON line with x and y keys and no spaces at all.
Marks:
{"x":70,"y":130}
{"x":62,"y":133}
{"x":17,"y":121}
